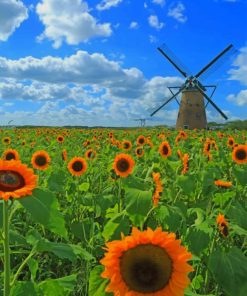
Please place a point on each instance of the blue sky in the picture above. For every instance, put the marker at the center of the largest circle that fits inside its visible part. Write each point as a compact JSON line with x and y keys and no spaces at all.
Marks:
{"x":75,"y":62}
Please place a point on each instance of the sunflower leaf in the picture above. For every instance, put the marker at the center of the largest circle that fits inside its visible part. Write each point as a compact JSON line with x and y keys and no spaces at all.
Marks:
{"x":44,"y":208}
{"x":97,"y":284}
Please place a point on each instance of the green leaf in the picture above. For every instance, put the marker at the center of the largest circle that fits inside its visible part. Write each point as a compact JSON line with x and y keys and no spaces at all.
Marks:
{"x":133,"y":182}
{"x":23,"y":288}
{"x":44,"y":208}
{"x":222,"y":198}
{"x":237,"y":213}
{"x":240,"y":174}
{"x":84,"y":187}
{"x":97,"y":284}
{"x":187,"y":183}
{"x":33,"y":267}
{"x":138,"y":203}
{"x":198,"y":240}
{"x":169,"y":217}
{"x":117,"y":224}
{"x":58,"y":287}
{"x":230,"y":271}
{"x":56,"y":181}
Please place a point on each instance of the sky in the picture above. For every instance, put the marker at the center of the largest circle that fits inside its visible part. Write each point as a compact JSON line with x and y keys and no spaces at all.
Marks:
{"x":96,"y":63}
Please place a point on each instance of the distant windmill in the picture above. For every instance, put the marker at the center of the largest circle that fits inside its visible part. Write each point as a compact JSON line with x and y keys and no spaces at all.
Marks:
{"x":142,"y":121}
{"x":191,"y":108}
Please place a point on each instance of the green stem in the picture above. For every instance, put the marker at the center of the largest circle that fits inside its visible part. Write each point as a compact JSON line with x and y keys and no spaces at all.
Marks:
{"x":21,"y":267}
{"x":119,"y":195}
{"x":6,"y":249}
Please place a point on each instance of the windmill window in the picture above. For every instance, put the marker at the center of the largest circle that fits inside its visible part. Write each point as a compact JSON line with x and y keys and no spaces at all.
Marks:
{"x":197,"y":105}
{"x":198,"y":115}
{"x":186,"y":126}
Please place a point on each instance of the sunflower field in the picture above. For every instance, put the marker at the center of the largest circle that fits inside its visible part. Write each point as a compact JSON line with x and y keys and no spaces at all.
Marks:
{"x":103,"y":212}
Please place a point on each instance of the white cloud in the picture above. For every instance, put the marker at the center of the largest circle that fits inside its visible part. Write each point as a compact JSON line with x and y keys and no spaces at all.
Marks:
{"x":159,"y":2}
{"x":107,"y":4}
{"x":69,"y":23}
{"x":154,"y":22}
{"x":152,"y":39}
{"x":12,"y":14}
{"x":177,"y":12}
{"x":240,"y":99}
{"x":134,"y":25}
{"x":240,"y":67}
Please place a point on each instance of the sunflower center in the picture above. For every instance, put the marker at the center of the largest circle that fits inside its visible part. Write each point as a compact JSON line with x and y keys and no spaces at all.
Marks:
{"x":123,"y":165}
{"x":11,"y":181}
{"x":141,"y":140}
{"x":146,"y":268}
{"x":126,"y":145}
{"x":230,"y":142}
{"x":139,"y":151}
{"x":241,"y":154}
{"x":10,"y":156}
{"x":77,"y":166}
{"x":165,"y":150}
{"x":40,"y":160}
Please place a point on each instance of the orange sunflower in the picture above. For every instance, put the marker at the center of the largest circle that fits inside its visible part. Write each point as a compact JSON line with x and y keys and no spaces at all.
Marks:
{"x":223,"y":184}
{"x":10,"y":154}
{"x":127,"y":145}
{"x":230,"y":142}
{"x":6,"y":140}
{"x":16,"y":179}
{"x":90,"y":154}
{"x":139,"y":152}
{"x":40,"y":160}
{"x":146,"y":263}
{"x":165,"y":149}
{"x":77,"y":166}
{"x":239,"y":154}
{"x":60,"y":139}
{"x":64,"y":155}
{"x":123,"y":165}
{"x":222,"y":225}
{"x":141,"y":140}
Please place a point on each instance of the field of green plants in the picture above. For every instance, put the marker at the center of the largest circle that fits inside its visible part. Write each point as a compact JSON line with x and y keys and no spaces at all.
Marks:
{"x":131,"y":212}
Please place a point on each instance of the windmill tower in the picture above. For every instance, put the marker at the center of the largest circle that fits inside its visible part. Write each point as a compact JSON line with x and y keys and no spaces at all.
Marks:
{"x":192,"y":112}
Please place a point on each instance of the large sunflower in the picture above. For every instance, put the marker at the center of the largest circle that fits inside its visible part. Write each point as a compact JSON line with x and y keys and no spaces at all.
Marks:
{"x":141,"y":140}
{"x":165,"y":149}
{"x":123,"y":164}
{"x":16,"y":179}
{"x":6,"y":140}
{"x":9,"y":154}
{"x":77,"y":166}
{"x":239,"y":154}
{"x":147,"y":263}
{"x":40,"y":160}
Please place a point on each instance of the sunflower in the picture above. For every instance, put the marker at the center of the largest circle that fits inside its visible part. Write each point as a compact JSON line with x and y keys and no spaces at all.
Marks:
{"x":123,"y":164}
{"x":77,"y":166}
{"x":230,"y":142}
{"x":90,"y":154}
{"x":139,"y":152}
{"x":127,"y":145}
{"x":141,"y":140}
{"x":165,"y":149}
{"x":60,"y":139}
{"x":223,"y":184}
{"x":239,"y":154}
{"x":6,"y":140}
{"x":158,"y":188}
{"x":40,"y":160}
{"x":185,"y":163}
{"x":10,"y":154}
{"x":146,"y":263}
{"x":64,"y":155}
{"x":222,"y":225}
{"x":16,"y":179}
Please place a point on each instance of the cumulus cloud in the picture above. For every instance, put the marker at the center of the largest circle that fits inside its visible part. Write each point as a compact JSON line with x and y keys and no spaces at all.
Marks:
{"x":159,"y":2}
{"x":134,"y":25}
{"x":154,"y":22}
{"x":107,"y":4}
{"x":69,"y":23}
{"x":240,"y":99}
{"x":12,"y":14}
{"x":240,"y":67}
{"x":177,"y":12}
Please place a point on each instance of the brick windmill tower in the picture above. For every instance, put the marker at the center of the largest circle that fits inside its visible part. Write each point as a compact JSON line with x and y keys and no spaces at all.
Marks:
{"x":192,"y":112}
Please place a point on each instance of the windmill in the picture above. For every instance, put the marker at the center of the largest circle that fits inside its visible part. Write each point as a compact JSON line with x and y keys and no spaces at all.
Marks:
{"x":191,"y":107}
{"x":142,"y":121}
